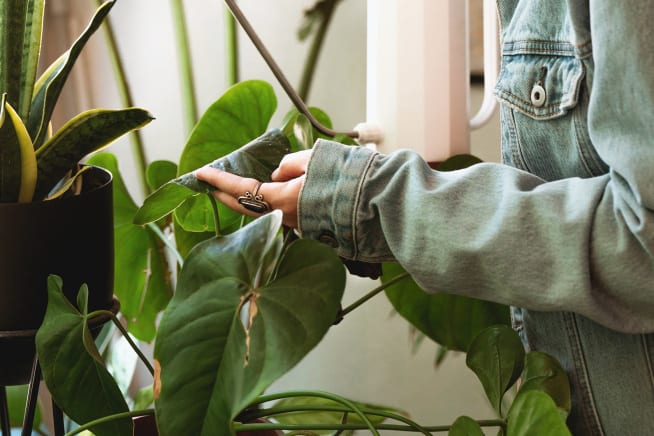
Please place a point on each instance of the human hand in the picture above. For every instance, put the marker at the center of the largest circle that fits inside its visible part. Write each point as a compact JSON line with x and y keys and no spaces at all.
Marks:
{"x":282,"y":193}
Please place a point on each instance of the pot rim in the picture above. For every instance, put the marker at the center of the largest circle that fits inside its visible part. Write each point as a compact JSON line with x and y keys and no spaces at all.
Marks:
{"x":95,"y":170}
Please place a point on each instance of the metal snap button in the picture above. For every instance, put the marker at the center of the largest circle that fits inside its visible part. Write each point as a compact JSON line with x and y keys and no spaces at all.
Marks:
{"x":538,"y":95}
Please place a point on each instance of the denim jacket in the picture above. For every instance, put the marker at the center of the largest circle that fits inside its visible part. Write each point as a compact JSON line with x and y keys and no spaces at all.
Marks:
{"x":563,"y":228}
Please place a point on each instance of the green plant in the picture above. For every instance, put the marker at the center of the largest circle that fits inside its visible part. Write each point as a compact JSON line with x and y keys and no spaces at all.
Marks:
{"x":249,"y":304}
{"x":32,"y":161}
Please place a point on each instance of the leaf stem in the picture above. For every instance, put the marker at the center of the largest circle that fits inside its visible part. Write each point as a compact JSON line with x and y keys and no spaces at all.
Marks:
{"x":126,"y":97}
{"x":261,"y":413}
{"x":157,"y":231}
{"x":216,"y":215}
{"x":125,"y":333}
{"x":319,"y":394}
{"x":338,"y":427}
{"x":186,"y":66}
{"x":374,"y":292}
{"x":231,"y":40}
{"x":109,"y":418}
{"x":314,"y":51}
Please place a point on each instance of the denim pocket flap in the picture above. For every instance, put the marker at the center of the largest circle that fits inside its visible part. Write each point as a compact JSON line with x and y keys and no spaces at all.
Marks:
{"x":541,"y":86}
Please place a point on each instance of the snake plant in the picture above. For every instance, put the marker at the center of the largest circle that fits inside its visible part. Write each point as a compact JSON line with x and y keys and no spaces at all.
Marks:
{"x":33,"y":160}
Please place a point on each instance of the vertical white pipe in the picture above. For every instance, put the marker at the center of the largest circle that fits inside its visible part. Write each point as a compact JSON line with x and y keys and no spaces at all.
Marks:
{"x":418,"y":76}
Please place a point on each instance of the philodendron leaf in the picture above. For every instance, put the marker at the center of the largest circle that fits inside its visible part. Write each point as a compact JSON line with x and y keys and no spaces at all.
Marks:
{"x":228,"y":333}
{"x":465,"y":426}
{"x":48,"y":87}
{"x":534,"y":412}
{"x":542,"y":372}
{"x":452,"y":321}
{"x":82,"y":135}
{"x":77,"y":379}
{"x":257,"y":159}
{"x":160,"y":172}
{"x":142,"y":279}
{"x":497,"y":356}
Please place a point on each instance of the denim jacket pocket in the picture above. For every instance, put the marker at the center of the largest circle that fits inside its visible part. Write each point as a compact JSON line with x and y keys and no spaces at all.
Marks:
{"x":544,"y":105}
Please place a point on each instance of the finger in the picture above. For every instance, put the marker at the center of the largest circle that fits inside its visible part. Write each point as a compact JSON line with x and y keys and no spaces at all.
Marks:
{"x":226,"y":182}
{"x":292,"y":165}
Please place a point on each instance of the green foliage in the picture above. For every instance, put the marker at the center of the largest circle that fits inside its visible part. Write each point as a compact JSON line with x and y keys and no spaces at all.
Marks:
{"x":497,"y":357}
{"x":142,"y":277}
{"x":535,"y":413}
{"x":20,"y":42}
{"x":465,"y":426}
{"x":257,"y":159}
{"x":258,"y":307}
{"x":67,"y":352}
{"x":450,"y":320}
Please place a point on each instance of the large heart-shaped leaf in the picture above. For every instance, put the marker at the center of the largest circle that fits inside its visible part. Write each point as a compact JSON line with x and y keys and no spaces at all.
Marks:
{"x":142,"y":279}
{"x":243,"y":318}
{"x":534,"y":412}
{"x":542,"y":372}
{"x":72,"y":368}
{"x":452,"y":321}
{"x":497,"y":356}
{"x":257,"y":159}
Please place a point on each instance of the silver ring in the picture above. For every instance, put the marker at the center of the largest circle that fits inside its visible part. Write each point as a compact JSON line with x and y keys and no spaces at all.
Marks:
{"x":254,"y":201}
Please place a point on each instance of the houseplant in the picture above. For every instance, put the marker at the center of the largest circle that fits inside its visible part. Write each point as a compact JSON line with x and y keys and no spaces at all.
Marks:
{"x":249,"y":305}
{"x":70,"y":233}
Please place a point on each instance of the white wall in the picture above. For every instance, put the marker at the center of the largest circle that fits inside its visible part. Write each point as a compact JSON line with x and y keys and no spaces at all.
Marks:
{"x":368,"y":355}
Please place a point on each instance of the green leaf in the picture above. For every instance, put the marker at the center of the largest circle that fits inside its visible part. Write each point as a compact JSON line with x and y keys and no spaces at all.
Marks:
{"x":534,"y":412}
{"x":159,"y":172}
{"x":16,"y":399}
{"x":84,"y":134}
{"x":256,"y":159}
{"x":465,"y":426}
{"x":303,"y":132}
{"x":497,"y":356}
{"x":542,"y":372}
{"x":31,"y":51}
{"x":64,"y":358}
{"x":241,"y":114}
{"x":142,"y":272}
{"x":49,"y":86}
{"x":12,"y":23}
{"x":301,"y":417}
{"x":240,"y":331}
{"x":452,"y":321}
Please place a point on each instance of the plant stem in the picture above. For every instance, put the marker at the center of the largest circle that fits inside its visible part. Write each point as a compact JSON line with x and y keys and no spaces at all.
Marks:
{"x":260,"y":413}
{"x":216,"y":215}
{"x":231,"y":48}
{"x":372,"y":293}
{"x":349,"y":405}
{"x":130,"y":414}
{"x":314,"y":51}
{"x":335,"y":427}
{"x":125,"y":333}
{"x":126,"y":97}
{"x":186,"y":66}
{"x":157,"y":231}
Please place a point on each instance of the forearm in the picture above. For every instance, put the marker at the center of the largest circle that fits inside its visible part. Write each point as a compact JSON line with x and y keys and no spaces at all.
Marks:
{"x":489,"y":231}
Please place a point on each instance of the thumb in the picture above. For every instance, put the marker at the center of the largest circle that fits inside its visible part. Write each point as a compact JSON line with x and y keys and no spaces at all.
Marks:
{"x":292,"y":166}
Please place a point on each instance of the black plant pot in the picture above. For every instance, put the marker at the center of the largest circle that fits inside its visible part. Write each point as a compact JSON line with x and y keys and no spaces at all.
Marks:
{"x":71,"y":237}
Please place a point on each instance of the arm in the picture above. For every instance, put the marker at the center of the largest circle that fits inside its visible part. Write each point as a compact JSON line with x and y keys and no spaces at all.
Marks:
{"x":494,"y":232}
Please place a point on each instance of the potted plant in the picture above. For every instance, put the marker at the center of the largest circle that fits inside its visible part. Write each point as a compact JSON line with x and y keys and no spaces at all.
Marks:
{"x":55,"y":216}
